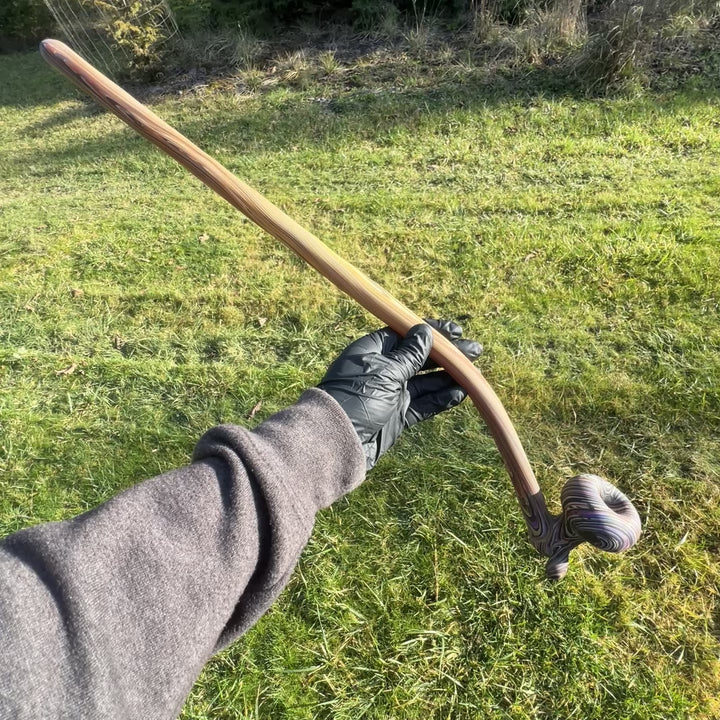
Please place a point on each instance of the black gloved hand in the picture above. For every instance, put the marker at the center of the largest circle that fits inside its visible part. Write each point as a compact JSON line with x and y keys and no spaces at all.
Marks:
{"x":375,"y":381}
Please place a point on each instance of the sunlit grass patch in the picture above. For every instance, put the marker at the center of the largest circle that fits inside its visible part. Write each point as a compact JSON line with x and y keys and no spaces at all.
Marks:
{"x":578,"y":240}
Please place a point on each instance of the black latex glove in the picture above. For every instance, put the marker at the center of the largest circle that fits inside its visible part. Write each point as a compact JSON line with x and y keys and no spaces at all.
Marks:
{"x":376,"y":382}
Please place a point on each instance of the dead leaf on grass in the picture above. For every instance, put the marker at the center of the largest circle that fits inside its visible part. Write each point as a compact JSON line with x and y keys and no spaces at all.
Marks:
{"x":68,"y":370}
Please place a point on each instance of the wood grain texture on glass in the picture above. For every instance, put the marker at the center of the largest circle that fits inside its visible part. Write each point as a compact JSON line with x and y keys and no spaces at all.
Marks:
{"x":593,"y":509}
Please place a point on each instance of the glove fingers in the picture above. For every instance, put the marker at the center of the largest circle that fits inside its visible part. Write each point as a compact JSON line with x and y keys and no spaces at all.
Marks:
{"x":429,"y":383}
{"x":381,"y":341}
{"x":410,"y":353}
{"x":469,"y":348}
{"x":350,"y":362}
{"x":453,"y":332}
{"x":432,"y":394}
{"x":385,"y":340}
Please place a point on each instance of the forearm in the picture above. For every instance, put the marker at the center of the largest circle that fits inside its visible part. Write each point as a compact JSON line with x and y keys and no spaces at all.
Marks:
{"x":114,"y":613}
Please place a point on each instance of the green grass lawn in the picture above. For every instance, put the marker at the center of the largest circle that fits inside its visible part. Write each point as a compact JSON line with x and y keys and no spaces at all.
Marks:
{"x":579,"y":240}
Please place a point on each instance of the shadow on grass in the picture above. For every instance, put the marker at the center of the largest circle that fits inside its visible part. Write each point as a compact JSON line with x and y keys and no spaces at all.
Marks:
{"x":368,"y":104}
{"x":60,"y":118}
{"x":27,"y":82}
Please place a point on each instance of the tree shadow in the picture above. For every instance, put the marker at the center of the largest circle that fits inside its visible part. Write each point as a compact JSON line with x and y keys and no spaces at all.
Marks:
{"x":352,"y":108}
{"x":60,"y":118}
{"x":29,"y":82}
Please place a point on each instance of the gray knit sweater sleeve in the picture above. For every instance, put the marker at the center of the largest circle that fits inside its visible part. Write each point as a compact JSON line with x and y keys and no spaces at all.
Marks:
{"x":112,"y":614}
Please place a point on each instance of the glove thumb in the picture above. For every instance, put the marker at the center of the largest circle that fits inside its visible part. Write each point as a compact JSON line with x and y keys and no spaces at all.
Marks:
{"x":411,"y":352}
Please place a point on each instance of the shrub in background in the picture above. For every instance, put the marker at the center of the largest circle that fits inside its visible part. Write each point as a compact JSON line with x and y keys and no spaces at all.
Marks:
{"x":601,"y":43}
{"x":365,"y":14}
{"x":629,"y":37}
{"x":192,"y":15}
{"x":223,"y":50}
{"x":23,"y":23}
{"x":612,"y":53}
{"x":137,"y":28}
